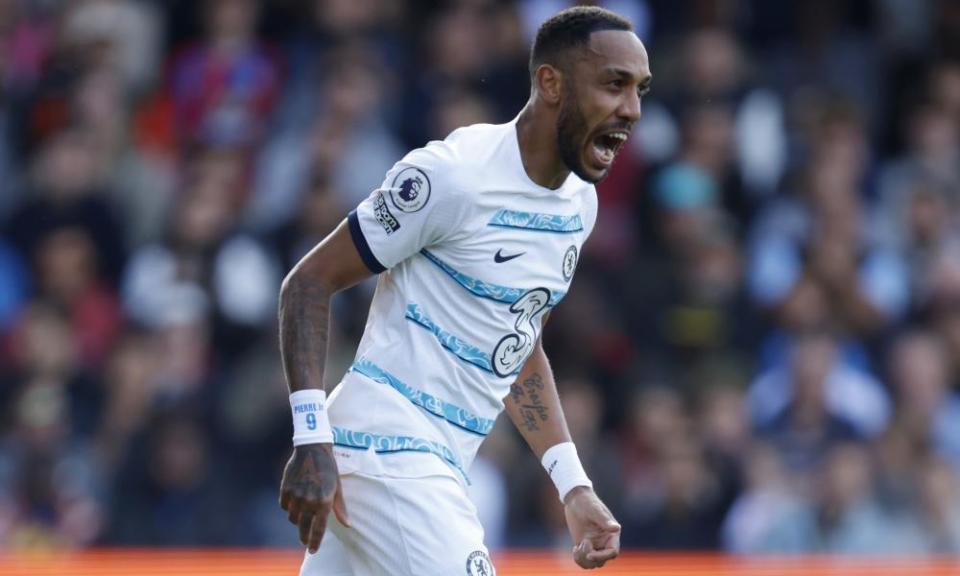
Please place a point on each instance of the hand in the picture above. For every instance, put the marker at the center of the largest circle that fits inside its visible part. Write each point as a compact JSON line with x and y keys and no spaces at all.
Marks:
{"x":309,"y":489}
{"x":596,"y":535}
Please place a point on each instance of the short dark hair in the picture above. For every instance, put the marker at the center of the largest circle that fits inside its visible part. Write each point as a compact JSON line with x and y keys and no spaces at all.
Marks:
{"x":571,"y":28}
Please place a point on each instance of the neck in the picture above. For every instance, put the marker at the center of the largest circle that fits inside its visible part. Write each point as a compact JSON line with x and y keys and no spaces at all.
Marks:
{"x":536,"y":133}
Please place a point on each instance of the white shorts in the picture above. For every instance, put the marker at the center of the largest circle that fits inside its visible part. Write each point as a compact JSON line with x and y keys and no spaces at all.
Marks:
{"x":423,"y":526}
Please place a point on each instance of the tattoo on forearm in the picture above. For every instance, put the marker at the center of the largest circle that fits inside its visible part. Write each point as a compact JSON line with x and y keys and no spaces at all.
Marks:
{"x":527,"y":395}
{"x":304,"y":322}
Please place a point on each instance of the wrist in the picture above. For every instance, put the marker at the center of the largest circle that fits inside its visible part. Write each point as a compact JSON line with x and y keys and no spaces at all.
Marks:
{"x":565,"y":469}
{"x":574,"y":492}
{"x":311,"y":425}
{"x":325,"y":446}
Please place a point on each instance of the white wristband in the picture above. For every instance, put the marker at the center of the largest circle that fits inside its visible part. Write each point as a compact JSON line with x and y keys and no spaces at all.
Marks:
{"x":564,"y":468}
{"x":311,"y":425}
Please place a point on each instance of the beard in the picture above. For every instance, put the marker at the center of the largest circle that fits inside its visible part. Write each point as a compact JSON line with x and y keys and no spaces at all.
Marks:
{"x":571,"y":132}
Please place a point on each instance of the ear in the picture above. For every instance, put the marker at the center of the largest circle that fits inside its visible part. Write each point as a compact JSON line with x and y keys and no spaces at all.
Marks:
{"x":549,"y":82}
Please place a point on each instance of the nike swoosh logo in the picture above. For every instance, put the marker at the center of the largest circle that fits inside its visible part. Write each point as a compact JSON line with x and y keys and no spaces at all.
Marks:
{"x":499,"y":258}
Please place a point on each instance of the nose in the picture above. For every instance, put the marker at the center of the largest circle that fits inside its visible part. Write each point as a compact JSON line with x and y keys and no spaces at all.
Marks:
{"x":629,"y":108}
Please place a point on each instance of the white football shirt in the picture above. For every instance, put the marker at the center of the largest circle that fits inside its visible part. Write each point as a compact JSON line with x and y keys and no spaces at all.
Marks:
{"x":473,"y":254}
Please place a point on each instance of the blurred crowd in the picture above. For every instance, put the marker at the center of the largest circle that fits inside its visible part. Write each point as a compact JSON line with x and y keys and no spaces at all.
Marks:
{"x":761,"y":351}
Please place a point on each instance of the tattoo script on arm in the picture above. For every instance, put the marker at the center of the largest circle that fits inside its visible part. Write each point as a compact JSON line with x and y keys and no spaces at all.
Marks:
{"x":528,"y":396}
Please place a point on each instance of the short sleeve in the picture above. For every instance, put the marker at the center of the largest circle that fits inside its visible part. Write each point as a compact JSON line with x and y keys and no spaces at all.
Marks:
{"x":416,"y":206}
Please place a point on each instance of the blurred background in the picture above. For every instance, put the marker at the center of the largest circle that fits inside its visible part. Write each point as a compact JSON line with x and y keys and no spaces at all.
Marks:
{"x":761,"y":351}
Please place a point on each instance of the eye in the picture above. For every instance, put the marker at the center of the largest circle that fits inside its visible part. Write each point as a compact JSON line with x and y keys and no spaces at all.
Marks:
{"x":618,"y":83}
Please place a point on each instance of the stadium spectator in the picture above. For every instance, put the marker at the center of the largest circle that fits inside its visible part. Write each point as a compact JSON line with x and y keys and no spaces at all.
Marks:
{"x":689,"y":295}
{"x":945,"y":87}
{"x":168,"y":493}
{"x":130,"y":29}
{"x":813,"y":262}
{"x":938,"y":507}
{"x":346,"y":137}
{"x":53,"y":405}
{"x":840,"y":516}
{"x":722,"y":424}
{"x":224,"y":88}
{"x":767,"y":497}
{"x":66,"y":273}
{"x":948,"y":326}
{"x":206,"y":261}
{"x":656,"y":413}
{"x":139,"y":183}
{"x":66,"y":191}
{"x":813,"y":403}
{"x":928,"y":411}
{"x":687,"y":504}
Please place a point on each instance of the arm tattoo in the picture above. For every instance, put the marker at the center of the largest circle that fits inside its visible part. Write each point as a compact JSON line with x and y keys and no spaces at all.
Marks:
{"x":304,"y":322}
{"x":528,"y":398}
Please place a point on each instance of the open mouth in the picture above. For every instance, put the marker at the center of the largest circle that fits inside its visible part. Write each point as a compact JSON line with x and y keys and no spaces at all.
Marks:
{"x":606,"y":146}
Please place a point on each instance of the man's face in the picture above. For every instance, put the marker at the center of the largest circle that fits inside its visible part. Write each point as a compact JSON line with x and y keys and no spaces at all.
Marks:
{"x":602,"y":88}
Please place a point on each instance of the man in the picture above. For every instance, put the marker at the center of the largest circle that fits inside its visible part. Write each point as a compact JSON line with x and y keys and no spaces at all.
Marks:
{"x":477,"y":238}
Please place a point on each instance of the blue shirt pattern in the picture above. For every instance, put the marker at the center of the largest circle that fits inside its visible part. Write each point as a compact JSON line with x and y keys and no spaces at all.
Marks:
{"x":537,"y":221}
{"x":455,"y":415}
{"x":384,"y":444}
{"x":504,"y":294}
{"x":462,"y":350}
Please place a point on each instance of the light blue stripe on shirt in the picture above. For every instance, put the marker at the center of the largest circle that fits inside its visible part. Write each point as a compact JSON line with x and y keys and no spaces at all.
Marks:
{"x":477,"y":287}
{"x":453,"y":414}
{"x":385,"y":444}
{"x":462,"y":350}
{"x":537,"y":222}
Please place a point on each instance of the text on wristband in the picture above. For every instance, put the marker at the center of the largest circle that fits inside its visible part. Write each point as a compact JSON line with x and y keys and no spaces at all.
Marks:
{"x":309,"y":407}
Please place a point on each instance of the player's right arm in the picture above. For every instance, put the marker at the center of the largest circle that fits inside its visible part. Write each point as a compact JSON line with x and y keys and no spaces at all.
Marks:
{"x":415,"y":207}
{"x":311,"y":485}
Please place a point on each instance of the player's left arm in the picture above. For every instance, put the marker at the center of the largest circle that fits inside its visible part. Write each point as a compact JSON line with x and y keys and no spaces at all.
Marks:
{"x":533,"y":405}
